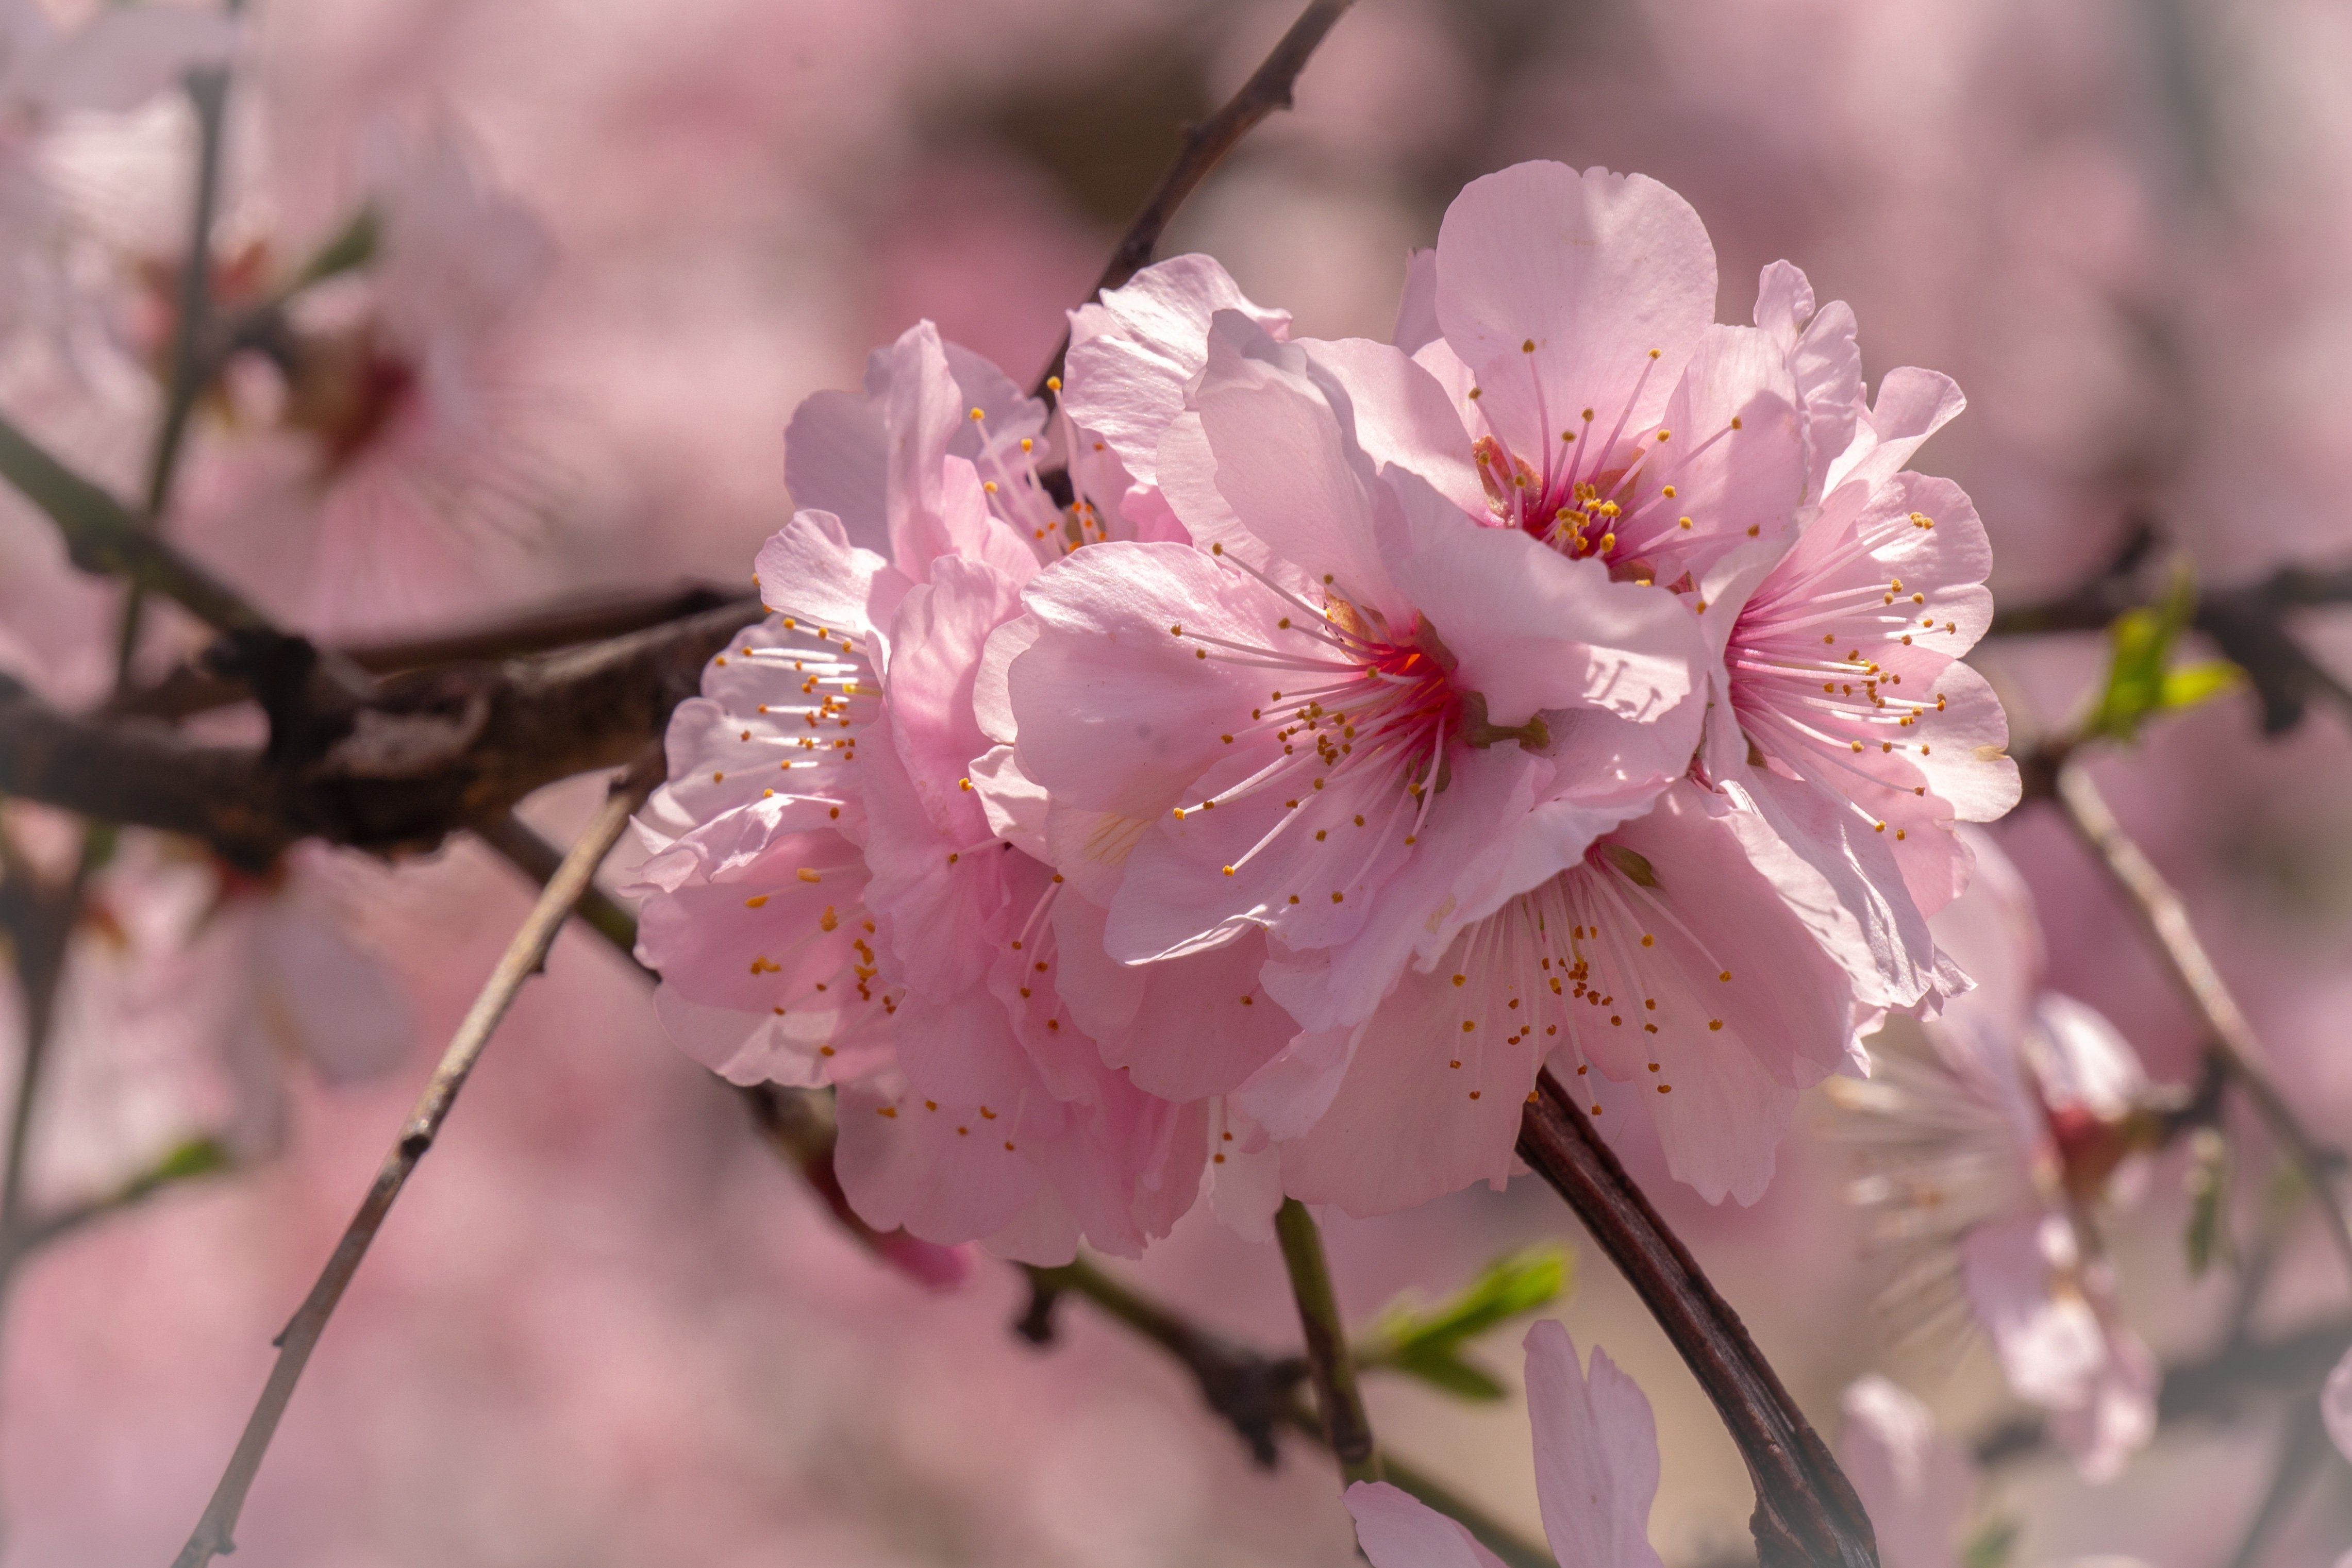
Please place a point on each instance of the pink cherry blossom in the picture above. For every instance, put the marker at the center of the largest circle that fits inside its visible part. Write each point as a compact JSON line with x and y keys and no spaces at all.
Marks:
{"x":1916,"y":1482}
{"x":1435,"y":672}
{"x":1992,"y":1146}
{"x":1849,"y":723}
{"x":1569,"y":315}
{"x":941,"y":977}
{"x":383,"y":449}
{"x":1596,"y":1452}
{"x":114,"y":59}
{"x":1660,"y":975}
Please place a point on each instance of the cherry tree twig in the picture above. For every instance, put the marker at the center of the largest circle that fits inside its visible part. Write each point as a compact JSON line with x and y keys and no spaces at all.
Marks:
{"x":1807,"y":1515}
{"x":1206,"y":146}
{"x":216,"y":1531}
{"x":2250,"y":622}
{"x":1252,"y":1391}
{"x":2165,"y":920}
{"x":1331,"y":1366}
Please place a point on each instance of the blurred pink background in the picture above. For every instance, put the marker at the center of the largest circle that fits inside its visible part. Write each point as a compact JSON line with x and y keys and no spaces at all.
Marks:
{"x":606,"y":1325}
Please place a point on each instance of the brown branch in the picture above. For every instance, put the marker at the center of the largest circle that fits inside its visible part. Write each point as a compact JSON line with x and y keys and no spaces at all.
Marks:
{"x":1807,"y":1515}
{"x":214,"y":1533}
{"x":1251,"y":1389}
{"x":193,"y":689}
{"x":400,"y":769}
{"x":1206,"y":146}
{"x":2165,"y":920}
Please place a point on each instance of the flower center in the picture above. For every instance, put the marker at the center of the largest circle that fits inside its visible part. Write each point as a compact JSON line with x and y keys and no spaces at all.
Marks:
{"x":1601,"y":496}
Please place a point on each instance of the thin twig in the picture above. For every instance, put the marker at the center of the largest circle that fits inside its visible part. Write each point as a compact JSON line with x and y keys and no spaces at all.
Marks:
{"x":1251,"y":1389}
{"x":105,"y":536}
{"x":1254,"y":1391}
{"x":1807,"y":1515}
{"x":1248,"y":1388}
{"x":2165,"y":919}
{"x":39,"y":920}
{"x":190,"y":350}
{"x":1206,"y":146}
{"x":216,"y":1532}
{"x":1330,"y":1365}
{"x":540,"y":860}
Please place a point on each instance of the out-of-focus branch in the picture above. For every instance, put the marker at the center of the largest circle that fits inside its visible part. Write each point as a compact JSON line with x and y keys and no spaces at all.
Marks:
{"x":403,"y":768}
{"x":192,"y":688}
{"x":1807,"y":1515}
{"x":192,"y":358}
{"x":1346,"y":1429}
{"x":216,"y":1532}
{"x":39,"y":919}
{"x":2165,"y":919}
{"x":2217,"y":1388}
{"x":1249,"y":1389}
{"x":2250,"y":623}
{"x":105,"y":536}
{"x":1206,"y":146}
{"x":1252,"y":1391}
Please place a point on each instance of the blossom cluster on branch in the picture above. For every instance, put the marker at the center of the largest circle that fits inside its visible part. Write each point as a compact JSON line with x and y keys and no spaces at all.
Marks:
{"x":1262,"y":762}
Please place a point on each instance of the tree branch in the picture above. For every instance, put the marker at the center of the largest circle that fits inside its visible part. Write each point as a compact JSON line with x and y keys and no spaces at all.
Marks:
{"x":192,"y":688}
{"x":2165,"y":920}
{"x":1347,"y":1430}
{"x":1206,"y":146}
{"x":216,"y":1531}
{"x":1807,"y":1515}
{"x":400,"y":769}
{"x":1249,"y":1389}
{"x":2249,"y":622}
{"x":1252,"y":1391}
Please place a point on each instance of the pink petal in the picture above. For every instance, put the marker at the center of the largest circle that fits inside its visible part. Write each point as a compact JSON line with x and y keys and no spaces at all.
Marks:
{"x":2336,"y":1405}
{"x":1132,"y":356}
{"x":1115,"y":714}
{"x":1596,"y":1455}
{"x":1400,"y":414}
{"x":836,"y":457}
{"x":1534,"y":630}
{"x":1428,"y":1105}
{"x":1180,"y":1027}
{"x":1596,"y":269}
{"x":1398,"y":1530}
{"x":1287,"y":465}
{"x":1416,"y":323}
{"x":1916,"y":1482}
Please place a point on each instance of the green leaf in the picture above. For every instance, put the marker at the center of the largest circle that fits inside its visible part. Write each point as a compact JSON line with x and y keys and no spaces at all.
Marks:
{"x":2191,"y":684}
{"x":1990,"y":1546}
{"x":1451,"y":1374}
{"x":352,"y":247}
{"x":196,"y":1157}
{"x":2141,"y":682}
{"x":1427,"y":1341}
{"x":2208,"y":1184}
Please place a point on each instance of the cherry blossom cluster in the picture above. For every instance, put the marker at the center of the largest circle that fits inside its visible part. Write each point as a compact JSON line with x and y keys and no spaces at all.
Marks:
{"x":1262,"y":764}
